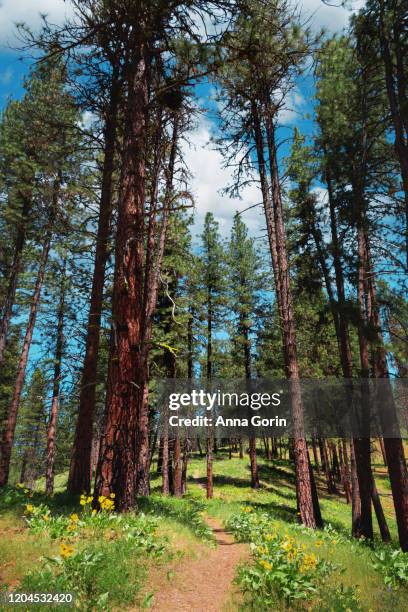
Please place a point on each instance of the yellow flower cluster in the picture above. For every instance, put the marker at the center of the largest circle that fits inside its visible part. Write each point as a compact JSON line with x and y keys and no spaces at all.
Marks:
{"x":291,"y":555}
{"x":309,"y":563}
{"x":246,"y":509}
{"x":107,"y":503}
{"x":288,"y":543}
{"x":29,"y":508}
{"x":66,"y":551}
{"x":319,"y":543}
{"x":85,"y":499}
{"x":265,"y":564}
{"x":74,"y":517}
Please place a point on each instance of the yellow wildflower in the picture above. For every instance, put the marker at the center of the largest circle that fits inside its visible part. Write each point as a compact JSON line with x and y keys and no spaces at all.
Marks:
{"x":93,"y":512}
{"x":112,"y":496}
{"x":82,"y":502}
{"x":74,"y":517}
{"x":265,"y":564}
{"x":29,"y":508}
{"x":66,"y":551}
{"x":319,"y":543}
{"x":286,"y":545}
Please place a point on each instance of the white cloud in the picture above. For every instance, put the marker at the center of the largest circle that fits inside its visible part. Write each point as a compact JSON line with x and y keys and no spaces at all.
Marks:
{"x":29,"y":12}
{"x":291,"y":111}
{"x":6,"y":76}
{"x":333,"y":18}
{"x":209,"y":178}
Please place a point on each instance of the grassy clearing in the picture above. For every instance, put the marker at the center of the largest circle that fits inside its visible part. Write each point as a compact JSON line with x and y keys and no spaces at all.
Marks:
{"x":117,"y":563}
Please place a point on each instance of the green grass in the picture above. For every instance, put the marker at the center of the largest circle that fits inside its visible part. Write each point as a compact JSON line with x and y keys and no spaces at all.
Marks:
{"x":123,"y":569}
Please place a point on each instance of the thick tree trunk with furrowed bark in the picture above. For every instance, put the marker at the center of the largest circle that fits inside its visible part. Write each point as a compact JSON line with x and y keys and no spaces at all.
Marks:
{"x":127,"y":371}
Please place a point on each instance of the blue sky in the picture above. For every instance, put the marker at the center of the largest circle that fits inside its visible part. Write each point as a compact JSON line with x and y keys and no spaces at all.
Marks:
{"x":209,"y":177}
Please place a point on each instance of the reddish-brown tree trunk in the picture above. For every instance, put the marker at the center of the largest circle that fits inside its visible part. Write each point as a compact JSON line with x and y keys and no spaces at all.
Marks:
{"x":360,"y":464}
{"x":165,"y":453}
{"x":52,"y":425}
{"x":150,"y":293}
{"x":8,"y":434}
{"x":303,"y":475}
{"x":277,"y":243}
{"x":79,"y":473}
{"x":178,"y":468}
{"x":355,"y":494}
{"x":127,"y":371}
{"x":253,"y":462}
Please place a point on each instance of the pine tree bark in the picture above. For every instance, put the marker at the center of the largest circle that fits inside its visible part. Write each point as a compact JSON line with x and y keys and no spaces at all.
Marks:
{"x":308,"y":508}
{"x":79,"y":473}
{"x":8,"y":434}
{"x":127,"y":370}
{"x":52,"y":425}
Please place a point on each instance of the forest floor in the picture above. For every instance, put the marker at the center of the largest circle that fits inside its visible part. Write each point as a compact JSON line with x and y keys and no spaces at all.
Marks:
{"x":204,"y":583}
{"x":181,"y":554}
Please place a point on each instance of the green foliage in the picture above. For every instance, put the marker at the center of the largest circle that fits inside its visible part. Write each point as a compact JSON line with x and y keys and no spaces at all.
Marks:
{"x":282,"y":569}
{"x":393,"y":564}
{"x":340,"y":599}
{"x":100,"y":558}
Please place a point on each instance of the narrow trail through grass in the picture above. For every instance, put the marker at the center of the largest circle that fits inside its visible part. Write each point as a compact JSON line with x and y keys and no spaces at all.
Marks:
{"x":204,"y":584}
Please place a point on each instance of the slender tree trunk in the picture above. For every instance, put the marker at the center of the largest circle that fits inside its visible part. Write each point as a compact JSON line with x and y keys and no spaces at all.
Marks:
{"x":254,"y":466}
{"x":7,"y":307}
{"x":379,"y":512}
{"x":52,"y":426}
{"x":252,"y":439}
{"x":277,"y":243}
{"x":79,"y":473}
{"x":165,"y":453}
{"x":355,"y":495}
{"x":187,"y":448}
{"x":210,"y":432}
{"x":178,"y":468}
{"x":362,"y":446}
{"x":360,"y":449}
{"x":393,"y":85}
{"x":151,"y":287}
{"x":8,"y":434}
{"x":394,"y":449}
